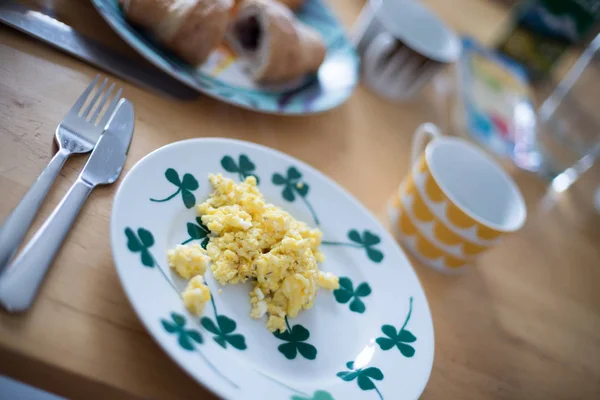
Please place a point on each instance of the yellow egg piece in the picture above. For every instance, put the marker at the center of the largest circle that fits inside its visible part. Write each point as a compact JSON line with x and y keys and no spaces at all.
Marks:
{"x":188,"y":260}
{"x":195,"y":295}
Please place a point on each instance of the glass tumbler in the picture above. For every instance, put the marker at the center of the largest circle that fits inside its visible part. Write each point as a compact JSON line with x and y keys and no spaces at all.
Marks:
{"x":567,"y":140}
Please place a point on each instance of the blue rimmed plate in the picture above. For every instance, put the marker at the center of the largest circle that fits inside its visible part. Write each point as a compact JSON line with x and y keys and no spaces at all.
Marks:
{"x":370,"y":339}
{"x":223,"y":78}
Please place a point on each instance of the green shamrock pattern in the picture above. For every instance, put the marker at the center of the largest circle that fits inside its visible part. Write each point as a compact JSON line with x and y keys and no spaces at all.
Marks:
{"x":400,"y":339}
{"x":184,"y":186}
{"x":292,"y":186}
{"x":295,"y":337}
{"x":198,"y":231}
{"x":141,"y":243}
{"x":223,"y":330}
{"x":346,"y":293}
{"x":185,"y":337}
{"x":366,"y":241}
{"x":364,"y":377}
{"x":318,"y":395}
{"x":243,"y":168}
{"x":188,"y":339}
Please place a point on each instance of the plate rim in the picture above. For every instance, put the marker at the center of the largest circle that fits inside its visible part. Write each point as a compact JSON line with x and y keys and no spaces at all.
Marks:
{"x":206,"y":383}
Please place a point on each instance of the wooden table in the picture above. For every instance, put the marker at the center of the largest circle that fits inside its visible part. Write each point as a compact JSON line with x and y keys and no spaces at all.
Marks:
{"x":525,"y":323}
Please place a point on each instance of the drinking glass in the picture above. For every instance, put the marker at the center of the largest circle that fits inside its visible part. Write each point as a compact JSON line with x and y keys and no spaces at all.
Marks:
{"x":567,"y":140}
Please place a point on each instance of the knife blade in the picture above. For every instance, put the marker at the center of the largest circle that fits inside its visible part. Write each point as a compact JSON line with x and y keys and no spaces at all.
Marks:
{"x":20,"y":282}
{"x":107,"y":159}
{"x":63,"y":37}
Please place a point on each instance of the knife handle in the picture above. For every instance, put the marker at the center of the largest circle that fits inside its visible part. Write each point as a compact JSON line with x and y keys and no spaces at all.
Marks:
{"x":20,"y":282}
{"x":18,"y":222}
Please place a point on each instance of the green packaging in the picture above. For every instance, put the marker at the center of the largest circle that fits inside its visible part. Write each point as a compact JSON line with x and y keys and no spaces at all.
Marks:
{"x":543,"y":30}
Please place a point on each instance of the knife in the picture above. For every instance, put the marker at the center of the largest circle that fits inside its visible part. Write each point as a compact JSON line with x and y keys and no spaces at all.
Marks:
{"x":60,"y":35}
{"x":20,"y":282}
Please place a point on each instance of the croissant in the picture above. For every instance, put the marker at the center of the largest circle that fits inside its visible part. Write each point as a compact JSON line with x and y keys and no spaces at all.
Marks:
{"x":276,"y":46}
{"x":189,"y":28}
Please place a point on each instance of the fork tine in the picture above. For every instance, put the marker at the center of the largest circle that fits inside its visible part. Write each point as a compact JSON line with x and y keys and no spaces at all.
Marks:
{"x":81,"y":100}
{"x":88,"y":110}
{"x":102,"y":102}
{"x":111,"y":109}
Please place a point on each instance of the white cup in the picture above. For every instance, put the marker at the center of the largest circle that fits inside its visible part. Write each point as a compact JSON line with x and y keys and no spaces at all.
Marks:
{"x":403,"y":45}
{"x":455,"y":203}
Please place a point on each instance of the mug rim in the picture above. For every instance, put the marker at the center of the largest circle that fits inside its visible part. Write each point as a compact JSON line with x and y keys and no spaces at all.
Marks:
{"x":446,"y":55}
{"x":497,"y":169}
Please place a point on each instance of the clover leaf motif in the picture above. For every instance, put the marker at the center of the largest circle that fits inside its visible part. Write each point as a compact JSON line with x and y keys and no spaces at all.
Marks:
{"x":318,"y":395}
{"x":244,"y":167}
{"x":292,"y":186}
{"x":346,"y":292}
{"x":400,"y":339}
{"x":188,"y":339}
{"x":365,"y":241}
{"x":296,"y":337}
{"x":140,"y":243}
{"x":185,"y":337}
{"x":185,"y":186}
{"x":198,"y":231}
{"x":364,"y":376}
{"x":223,"y":331}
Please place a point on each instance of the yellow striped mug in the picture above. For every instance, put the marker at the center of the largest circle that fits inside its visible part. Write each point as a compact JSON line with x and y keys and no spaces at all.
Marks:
{"x":455,"y":203}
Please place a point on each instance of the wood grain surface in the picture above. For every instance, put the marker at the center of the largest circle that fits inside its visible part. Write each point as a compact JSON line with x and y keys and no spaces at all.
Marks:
{"x":523,"y":324}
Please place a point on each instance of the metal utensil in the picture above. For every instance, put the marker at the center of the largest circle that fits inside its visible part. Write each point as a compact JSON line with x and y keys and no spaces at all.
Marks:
{"x":77,"y":133}
{"x":19,"y":284}
{"x":49,"y":30}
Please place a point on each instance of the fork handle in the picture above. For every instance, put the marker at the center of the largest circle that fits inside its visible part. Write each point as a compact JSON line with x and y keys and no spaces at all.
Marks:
{"x":18,"y":222}
{"x":20,"y":282}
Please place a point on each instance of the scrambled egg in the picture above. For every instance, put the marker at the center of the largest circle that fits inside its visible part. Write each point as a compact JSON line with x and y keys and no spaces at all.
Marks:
{"x":195,"y":295}
{"x":255,"y":240}
{"x":328,"y":281}
{"x":188,"y":260}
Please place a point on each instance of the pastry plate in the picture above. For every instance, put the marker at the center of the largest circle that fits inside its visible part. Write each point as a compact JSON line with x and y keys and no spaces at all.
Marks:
{"x":370,"y":339}
{"x":223,"y":77}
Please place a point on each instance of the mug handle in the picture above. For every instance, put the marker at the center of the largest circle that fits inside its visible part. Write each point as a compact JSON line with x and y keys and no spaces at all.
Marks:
{"x":381,"y":44}
{"x":423,"y":135}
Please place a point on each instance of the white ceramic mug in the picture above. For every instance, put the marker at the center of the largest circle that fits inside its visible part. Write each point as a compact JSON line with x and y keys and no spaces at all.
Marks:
{"x":455,"y":203}
{"x":403,"y":45}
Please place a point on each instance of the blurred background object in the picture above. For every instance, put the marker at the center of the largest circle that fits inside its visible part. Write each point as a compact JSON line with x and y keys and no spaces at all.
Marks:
{"x":403,"y":45}
{"x":494,"y":103}
{"x":541,"y":32}
{"x":568,"y":134}
{"x":489,"y":100}
{"x":40,"y":23}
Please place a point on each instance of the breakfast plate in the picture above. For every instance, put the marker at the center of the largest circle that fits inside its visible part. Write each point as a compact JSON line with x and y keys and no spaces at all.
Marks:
{"x":223,"y":77}
{"x":370,"y":339}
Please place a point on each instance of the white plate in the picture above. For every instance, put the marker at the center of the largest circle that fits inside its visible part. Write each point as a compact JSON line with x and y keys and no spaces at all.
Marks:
{"x":340,"y":349}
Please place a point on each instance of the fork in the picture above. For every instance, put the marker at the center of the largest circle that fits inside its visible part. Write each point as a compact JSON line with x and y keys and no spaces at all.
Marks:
{"x":77,"y":133}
